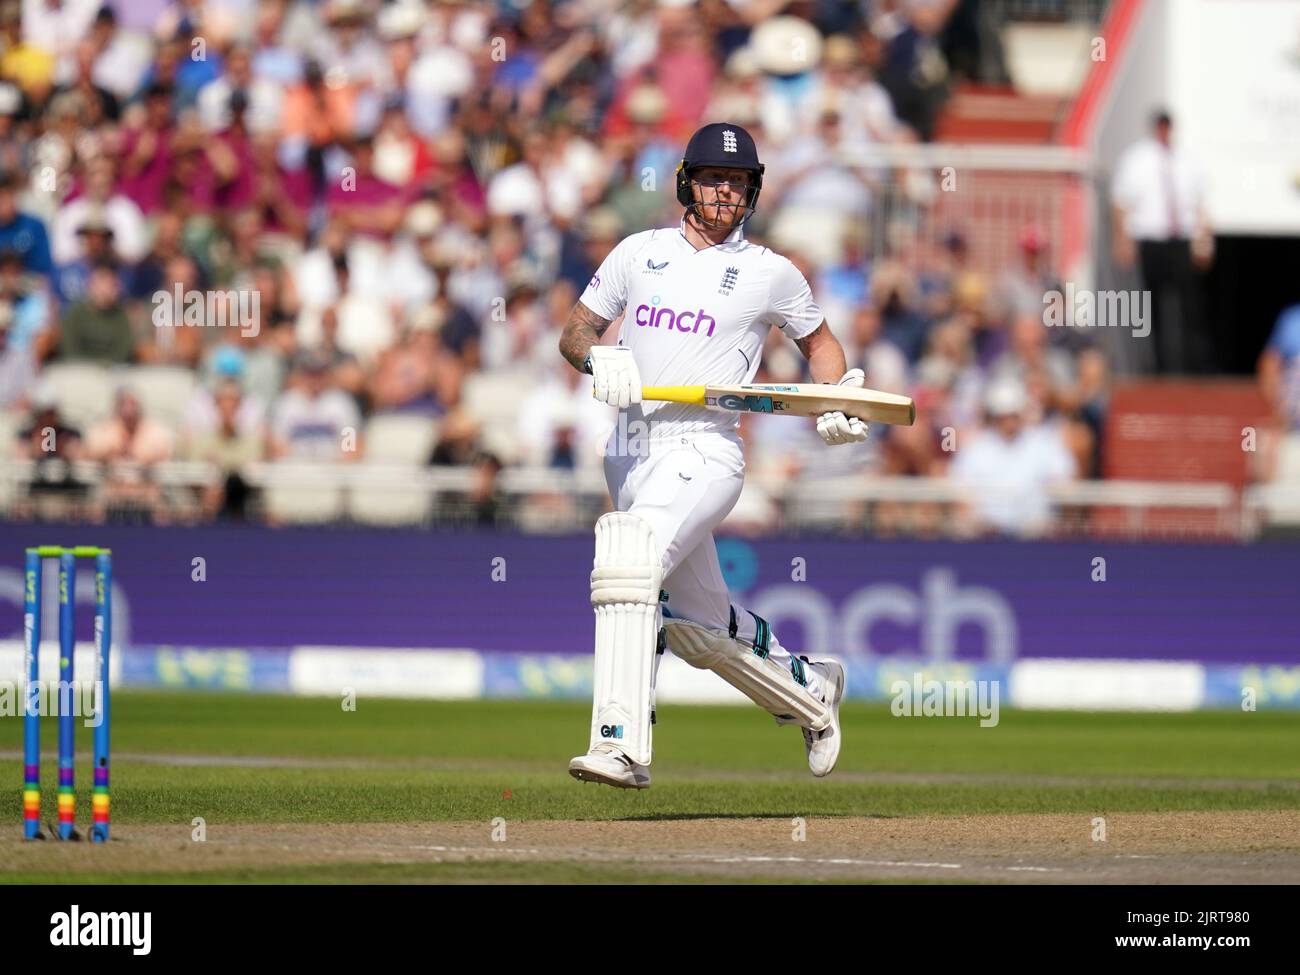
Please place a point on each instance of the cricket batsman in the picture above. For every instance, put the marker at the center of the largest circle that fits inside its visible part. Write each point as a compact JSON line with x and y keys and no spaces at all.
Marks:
{"x":699,"y":300}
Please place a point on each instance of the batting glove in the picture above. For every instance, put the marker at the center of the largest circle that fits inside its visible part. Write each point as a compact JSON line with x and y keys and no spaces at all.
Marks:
{"x":836,"y":428}
{"x":614,"y":376}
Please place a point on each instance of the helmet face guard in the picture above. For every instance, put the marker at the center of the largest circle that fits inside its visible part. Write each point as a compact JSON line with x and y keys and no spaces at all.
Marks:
{"x":725,"y":146}
{"x":686,"y":196}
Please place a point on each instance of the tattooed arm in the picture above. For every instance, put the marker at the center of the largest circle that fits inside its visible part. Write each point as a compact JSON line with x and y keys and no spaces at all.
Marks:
{"x":581,"y":332}
{"x":824,"y":353}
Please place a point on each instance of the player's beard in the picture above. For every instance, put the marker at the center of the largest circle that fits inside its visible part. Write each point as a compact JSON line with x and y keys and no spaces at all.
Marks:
{"x":729,"y":215}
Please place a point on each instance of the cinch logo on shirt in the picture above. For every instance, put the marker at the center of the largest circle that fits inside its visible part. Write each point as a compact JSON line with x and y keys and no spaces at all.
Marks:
{"x":687,"y":321}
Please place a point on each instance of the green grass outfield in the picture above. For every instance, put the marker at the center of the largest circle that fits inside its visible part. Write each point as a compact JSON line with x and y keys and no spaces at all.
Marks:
{"x":401,"y":761}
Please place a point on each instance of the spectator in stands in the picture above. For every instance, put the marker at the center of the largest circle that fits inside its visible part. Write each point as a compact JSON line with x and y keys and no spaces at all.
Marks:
{"x":32,"y":308}
{"x":914,"y":70}
{"x":513,"y":337}
{"x":100,"y":201}
{"x":17,"y":367}
{"x":149,"y":148}
{"x":237,"y":92}
{"x":345,"y":371}
{"x":893,"y":294}
{"x":98,"y":104}
{"x":415,"y":375}
{"x":282,"y":195}
{"x":1279,"y":381}
{"x":864,"y":106}
{"x":54,"y":446}
{"x":71,"y":280}
{"x":203,"y":415}
{"x":20,"y":232}
{"x":561,"y":424}
{"x":232,"y":443}
{"x":1023,"y":286}
{"x":1159,"y":220}
{"x":129,"y":440}
{"x":821,"y":199}
{"x":171,"y":341}
{"x":459,"y":333}
{"x":882,"y":360}
{"x":458,"y":440}
{"x":1071,"y":389}
{"x":121,"y":56}
{"x":154,"y":271}
{"x":98,"y":328}
{"x":315,"y":420}
{"x":367,"y":204}
{"x":1009,"y":467}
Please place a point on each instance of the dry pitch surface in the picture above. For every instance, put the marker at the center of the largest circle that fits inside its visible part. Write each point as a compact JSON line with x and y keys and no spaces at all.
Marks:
{"x":1164,"y":848}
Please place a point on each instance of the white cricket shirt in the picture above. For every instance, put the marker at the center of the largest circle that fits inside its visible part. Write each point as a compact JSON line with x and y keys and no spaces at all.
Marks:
{"x":697,"y":317}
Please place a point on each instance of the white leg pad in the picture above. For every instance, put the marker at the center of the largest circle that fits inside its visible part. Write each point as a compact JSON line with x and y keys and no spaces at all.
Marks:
{"x":625,"y":587}
{"x":763,"y":681}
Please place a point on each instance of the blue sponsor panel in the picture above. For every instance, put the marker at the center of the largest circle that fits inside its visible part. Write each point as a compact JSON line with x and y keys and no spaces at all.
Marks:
{"x":206,"y":668}
{"x":1263,"y":688}
{"x":533,"y":675}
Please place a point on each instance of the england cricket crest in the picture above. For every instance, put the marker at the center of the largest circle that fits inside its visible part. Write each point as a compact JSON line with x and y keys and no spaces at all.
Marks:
{"x":728,"y":280}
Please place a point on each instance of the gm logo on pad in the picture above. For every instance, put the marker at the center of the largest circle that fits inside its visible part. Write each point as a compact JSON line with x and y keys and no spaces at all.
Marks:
{"x":611,"y":731}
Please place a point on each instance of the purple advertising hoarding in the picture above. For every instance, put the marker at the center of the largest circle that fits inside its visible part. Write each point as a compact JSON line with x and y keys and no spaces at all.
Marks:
{"x":992,"y":601}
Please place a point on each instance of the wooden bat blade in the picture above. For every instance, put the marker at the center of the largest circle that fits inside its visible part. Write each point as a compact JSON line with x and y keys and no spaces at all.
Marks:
{"x":795,"y":399}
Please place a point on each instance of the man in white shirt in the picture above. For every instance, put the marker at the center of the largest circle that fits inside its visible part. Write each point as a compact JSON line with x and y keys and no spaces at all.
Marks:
{"x":698,"y":300}
{"x":1009,"y":466}
{"x":1159,"y":218}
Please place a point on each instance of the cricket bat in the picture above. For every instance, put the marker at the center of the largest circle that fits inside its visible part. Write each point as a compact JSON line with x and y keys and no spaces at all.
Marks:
{"x":799,"y":399}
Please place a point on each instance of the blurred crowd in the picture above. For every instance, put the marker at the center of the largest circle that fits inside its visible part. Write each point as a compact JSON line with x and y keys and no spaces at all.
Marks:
{"x":327,"y":213}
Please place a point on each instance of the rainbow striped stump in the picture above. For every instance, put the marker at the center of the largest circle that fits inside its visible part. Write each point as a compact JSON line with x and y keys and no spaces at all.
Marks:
{"x":31,"y":801}
{"x":67,"y":802}
{"x":66,"y":689}
{"x":100,"y":807}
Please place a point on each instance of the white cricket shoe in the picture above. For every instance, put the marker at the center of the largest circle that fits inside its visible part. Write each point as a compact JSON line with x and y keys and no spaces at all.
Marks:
{"x":606,"y":763}
{"x":823,"y":747}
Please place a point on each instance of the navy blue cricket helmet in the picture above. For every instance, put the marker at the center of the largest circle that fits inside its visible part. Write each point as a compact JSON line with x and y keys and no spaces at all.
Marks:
{"x":720,"y":144}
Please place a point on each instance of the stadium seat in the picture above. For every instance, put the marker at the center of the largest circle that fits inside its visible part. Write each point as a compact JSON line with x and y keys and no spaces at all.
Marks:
{"x":83,"y":390}
{"x":399,"y":438}
{"x":387,"y":495}
{"x":493,"y":397}
{"x":304,"y":493}
{"x":164,"y":392}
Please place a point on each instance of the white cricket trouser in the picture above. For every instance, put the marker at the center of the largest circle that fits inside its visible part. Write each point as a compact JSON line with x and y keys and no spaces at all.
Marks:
{"x":684,"y":487}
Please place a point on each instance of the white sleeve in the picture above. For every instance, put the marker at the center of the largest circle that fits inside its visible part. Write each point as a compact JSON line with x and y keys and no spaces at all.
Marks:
{"x":606,"y":292}
{"x":791,"y":307}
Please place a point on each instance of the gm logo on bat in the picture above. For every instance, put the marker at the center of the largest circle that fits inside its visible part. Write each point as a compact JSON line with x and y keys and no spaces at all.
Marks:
{"x":744,"y":404}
